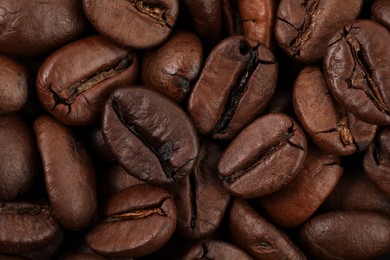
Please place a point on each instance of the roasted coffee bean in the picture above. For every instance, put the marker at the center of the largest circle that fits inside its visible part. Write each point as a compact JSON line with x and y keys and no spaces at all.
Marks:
{"x":206,"y":17}
{"x":380,"y":10}
{"x":137,"y":221}
{"x":355,"y":191}
{"x":116,"y":179}
{"x":139,"y":24}
{"x":257,"y":236}
{"x":172,"y":68}
{"x":18,"y":157}
{"x":356,"y":64}
{"x":332,"y":128}
{"x":150,"y":136}
{"x":235,"y":86}
{"x":75,"y":81}
{"x":377,"y":161}
{"x":31,"y":28}
{"x":98,"y":146}
{"x":69,"y":174}
{"x":215,"y":249}
{"x":264,"y":157}
{"x":252,"y":18}
{"x":200,"y":197}
{"x":300,"y":198}
{"x":26,"y":226}
{"x":14,"y":85}
{"x":303,"y":27}
{"x":347,"y":235}
{"x":50,"y":251}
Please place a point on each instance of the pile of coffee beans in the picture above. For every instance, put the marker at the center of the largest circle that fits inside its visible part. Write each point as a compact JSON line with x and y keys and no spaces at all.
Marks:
{"x":195,"y":129}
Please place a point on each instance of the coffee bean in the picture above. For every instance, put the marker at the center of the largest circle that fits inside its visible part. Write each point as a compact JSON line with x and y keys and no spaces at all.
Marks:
{"x":14,"y":85}
{"x":18,"y":157}
{"x":76,"y":80}
{"x":257,"y":236}
{"x":200,"y":198}
{"x":299,"y":199}
{"x":32,"y":28}
{"x":355,"y":191}
{"x":332,"y":128}
{"x":139,"y":24}
{"x":376,"y":162}
{"x":215,"y":249}
{"x":150,"y":136}
{"x":69,"y":174}
{"x":380,"y":10}
{"x":303,"y":27}
{"x":356,"y":65}
{"x":347,"y":235}
{"x":264,"y":157}
{"x":26,"y":226}
{"x":172,"y":68}
{"x":254,"y":19}
{"x":136,"y":222}
{"x":235,"y":86}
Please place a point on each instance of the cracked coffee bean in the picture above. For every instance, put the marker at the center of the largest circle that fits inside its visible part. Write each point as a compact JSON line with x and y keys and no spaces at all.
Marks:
{"x":257,"y":236}
{"x":380,"y":10}
{"x":26,"y":226}
{"x":254,"y":19}
{"x":75,"y":81}
{"x":303,"y":27}
{"x":347,"y":235}
{"x":200,"y":197}
{"x":137,"y":221}
{"x":69,"y":174}
{"x":32,"y":28}
{"x":376,"y":161}
{"x":172,"y":68}
{"x":150,"y":136}
{"x":332,"y":128}
{"x":235,"y":86}
{"x":141,"y":24}
{"x":215,"y":249}
{"x":14,"y":85}
{"x":357,"y":64}
{"x":264,"y":157}
{"x":18,"y":157}
{"x":299,"y":199}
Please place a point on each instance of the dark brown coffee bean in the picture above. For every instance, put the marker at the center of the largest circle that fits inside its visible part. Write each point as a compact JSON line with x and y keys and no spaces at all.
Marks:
{"x":116,"y":179}
{"x":300,"y":198}
{"x":206,"y":17}
{"x":304,"y":27}
{"x":30,"y":28}
{"x":331,"y":127}
{"x":139,"y":24}
{"x":380,"y":10}
{"x":75,"y":81}
{"x":69,"y":174}
{"x":50,"y":251}
{"x":136,"y":222}
{"x":18,"y":157}
{"x":235,"y":86}
{"x":215,"y":249}
{"x":98,"y":146}
{"x":347,"y":235}
{"x":14,"y":85}
{"x":26,"y":226}
{"x":355,"y":191}
{"x":376,"y":162}
{"x":264,"y":157}
{"x":356,"y":65}
{"x":172,"y":68}
{"x":252,"y":18}
{"x":150,"y":136}
{"x":257,"y":236}
{"x":200,"y":197}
